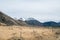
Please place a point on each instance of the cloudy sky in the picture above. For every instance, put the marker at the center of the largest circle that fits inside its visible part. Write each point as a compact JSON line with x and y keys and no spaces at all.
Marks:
{"x":42,"y":10}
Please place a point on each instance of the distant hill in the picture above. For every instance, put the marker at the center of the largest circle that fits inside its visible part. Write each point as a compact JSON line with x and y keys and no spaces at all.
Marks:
{"x":51,"y":23}
{"x":59,"y":24}
{"x":5,"y":19}
{"x":34,"y":22}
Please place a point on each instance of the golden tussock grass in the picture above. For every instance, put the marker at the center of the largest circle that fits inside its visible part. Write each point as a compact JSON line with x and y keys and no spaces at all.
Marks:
{"x":29,"y":33}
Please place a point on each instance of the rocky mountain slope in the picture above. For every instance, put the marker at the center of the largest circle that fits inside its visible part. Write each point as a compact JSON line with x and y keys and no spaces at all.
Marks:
{"x":9,"y":21}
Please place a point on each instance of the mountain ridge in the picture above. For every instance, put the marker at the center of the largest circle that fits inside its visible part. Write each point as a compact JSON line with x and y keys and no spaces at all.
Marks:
{"x":8,"y":20}
{"x":35,"y":22}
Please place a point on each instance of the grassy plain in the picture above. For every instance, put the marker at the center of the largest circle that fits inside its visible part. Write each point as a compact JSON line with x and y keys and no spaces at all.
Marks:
{"x":29,"y":33}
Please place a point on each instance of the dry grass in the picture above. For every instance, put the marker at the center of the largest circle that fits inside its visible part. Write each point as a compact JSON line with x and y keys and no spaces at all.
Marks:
{"x":28,"y":33}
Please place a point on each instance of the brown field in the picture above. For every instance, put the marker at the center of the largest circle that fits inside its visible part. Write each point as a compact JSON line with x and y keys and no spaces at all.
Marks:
{"x":29,"y":33}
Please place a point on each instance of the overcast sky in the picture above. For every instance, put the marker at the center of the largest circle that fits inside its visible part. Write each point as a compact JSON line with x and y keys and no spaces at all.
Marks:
{"x":42,"y":10}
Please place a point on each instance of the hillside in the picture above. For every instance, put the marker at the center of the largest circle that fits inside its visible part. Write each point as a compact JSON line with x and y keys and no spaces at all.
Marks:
{"x":9,"y":21}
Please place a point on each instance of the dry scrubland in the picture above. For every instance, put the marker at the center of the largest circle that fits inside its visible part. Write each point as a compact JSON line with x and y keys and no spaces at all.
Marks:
{"x":29,"y":33}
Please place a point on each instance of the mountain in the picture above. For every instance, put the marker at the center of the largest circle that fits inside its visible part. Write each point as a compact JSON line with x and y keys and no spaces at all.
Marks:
{"x":22,"y":22}
{"x":33,"y":22}
{"x":5,"y":19}
{"x":59,"y":23}
{"x":50,"y":23}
